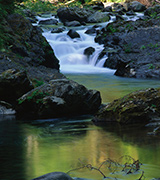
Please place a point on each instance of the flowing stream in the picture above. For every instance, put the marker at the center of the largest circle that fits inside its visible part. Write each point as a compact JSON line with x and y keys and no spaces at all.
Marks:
{"x":30,"y":149}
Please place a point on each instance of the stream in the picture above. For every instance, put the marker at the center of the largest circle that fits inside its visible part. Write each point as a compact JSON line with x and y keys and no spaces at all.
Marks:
{"x":31,"y":149}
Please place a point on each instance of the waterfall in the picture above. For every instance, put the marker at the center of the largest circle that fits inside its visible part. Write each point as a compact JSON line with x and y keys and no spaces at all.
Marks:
{"x":70,"y":52}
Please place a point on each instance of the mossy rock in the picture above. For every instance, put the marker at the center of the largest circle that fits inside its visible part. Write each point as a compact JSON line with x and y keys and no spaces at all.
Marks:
{"x":136,"y":107}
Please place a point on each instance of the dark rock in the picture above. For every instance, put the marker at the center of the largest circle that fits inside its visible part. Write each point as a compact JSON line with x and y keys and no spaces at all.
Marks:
{"x":98,"y":17}
{"x":48,"y":22}
{"x":137,"y":6}
{"x":54,"y":176}
{"x":73,"y":14}
{"x":130,"y":13}
{"x":89,"y":51}
{"x":58,"y":30}
{"x":59,"y":98}
{"x":6,"y":108}
{"x":119,"y":18}
{"x":107,"y":9}
{"x":13,"y":84}
{"x":26,"y":41}
{"x":152,"y":11}
{"x":72,"y":23}
{"x":97,"y":5}
{"x":137,"y":107}
{"x":73,"y":34}
{"x":91,"y":31}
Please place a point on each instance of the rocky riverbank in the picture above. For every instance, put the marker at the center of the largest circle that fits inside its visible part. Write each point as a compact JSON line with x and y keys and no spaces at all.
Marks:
{"x":28,"y":65}
{"x":30,"y":79}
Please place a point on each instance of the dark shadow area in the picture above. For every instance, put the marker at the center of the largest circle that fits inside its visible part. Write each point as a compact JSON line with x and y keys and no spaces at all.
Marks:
{"x":11,"y":150}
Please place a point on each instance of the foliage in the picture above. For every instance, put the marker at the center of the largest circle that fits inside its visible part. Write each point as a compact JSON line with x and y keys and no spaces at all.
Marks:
{"x":37,"y":82}
{"x":39,"y":6}
{"x":6,"y":7}
{"x":127,"y":48}
{"x":126,"y":164}
{"x":36,"y":96}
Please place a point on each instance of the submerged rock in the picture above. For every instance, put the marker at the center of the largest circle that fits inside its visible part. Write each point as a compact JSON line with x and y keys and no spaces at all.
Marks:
{"x":48,"y":22}
{"x":59,"y":98}
{"x":54,"y":176}
{"x":137,"y":107}
{"x":6,"y":108}
{"x":73,"y":34}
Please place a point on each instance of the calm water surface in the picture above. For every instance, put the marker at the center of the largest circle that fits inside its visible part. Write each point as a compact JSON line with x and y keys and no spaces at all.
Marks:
{"x":31,"y":149}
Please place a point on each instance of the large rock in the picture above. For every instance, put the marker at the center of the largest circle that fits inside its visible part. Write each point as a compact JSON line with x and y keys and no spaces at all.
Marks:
{"x":54,"y":176}
{"x":137,"y":107}
{"x":73,"y":34}
{"x":98,"y":17}
{"x":137,"y":6}
{"x":48,"y":22}
{"x":73,"y":14}
{"x":133,"y":55}
{"x":26,"y":42}
{"x":13,"y":84}
{"x":59,"y":98}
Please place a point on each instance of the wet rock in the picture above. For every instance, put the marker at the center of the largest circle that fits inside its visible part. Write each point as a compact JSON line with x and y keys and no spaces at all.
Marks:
{"x":48,"y":22}
{"x":130,"y":13}
{"x":98,"y":17}
{"x":72,"y":23}
{"x":89,"y":51}
{"x":58,"y":30}
{"x":59,"y":98}
{"x":137,"y":6}
{"x":54,"y":176}
{"x":13,"y":84}
{"x":136,"y":56}
{"x":152,"y":11}
{"x":27,"y":43}
{"x":97,"y":5}
{"x":137,"y":107}
{"x":73,"y":34}
{"x":73,"y":14}
{"x":6,"y":108}
{"x":107,"y":9}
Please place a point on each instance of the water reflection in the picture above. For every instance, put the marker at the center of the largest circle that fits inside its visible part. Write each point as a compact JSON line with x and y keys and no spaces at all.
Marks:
{"x":11,"y":150}
{"x":60,"y":150}
{"x":33,"y":148}
{"x":112,"y":87}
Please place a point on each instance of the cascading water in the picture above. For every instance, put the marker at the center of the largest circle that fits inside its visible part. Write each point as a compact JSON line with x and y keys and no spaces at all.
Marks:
{"x":70,"y":52}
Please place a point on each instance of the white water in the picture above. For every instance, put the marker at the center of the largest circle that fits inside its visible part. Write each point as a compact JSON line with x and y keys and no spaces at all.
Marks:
{"x":70,"y":52}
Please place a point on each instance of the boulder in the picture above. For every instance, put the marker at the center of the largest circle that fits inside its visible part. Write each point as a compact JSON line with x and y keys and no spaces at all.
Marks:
{"x":54,"y":176}
{"x":13,"y":84}
{"x":73,"y":34}
{"x":137,"y":6}
{"x":98,"y":17}
{"x":72,"y":23}
{"x":152,"y":11}
{"x":59,"y":98}
{"x":137,"y":107}
{"x":58,"y":30}
{"x":27,"y":43}
{"x":89,"y":51}
{"x":73,"y":14}
{"x":48,"y":22}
